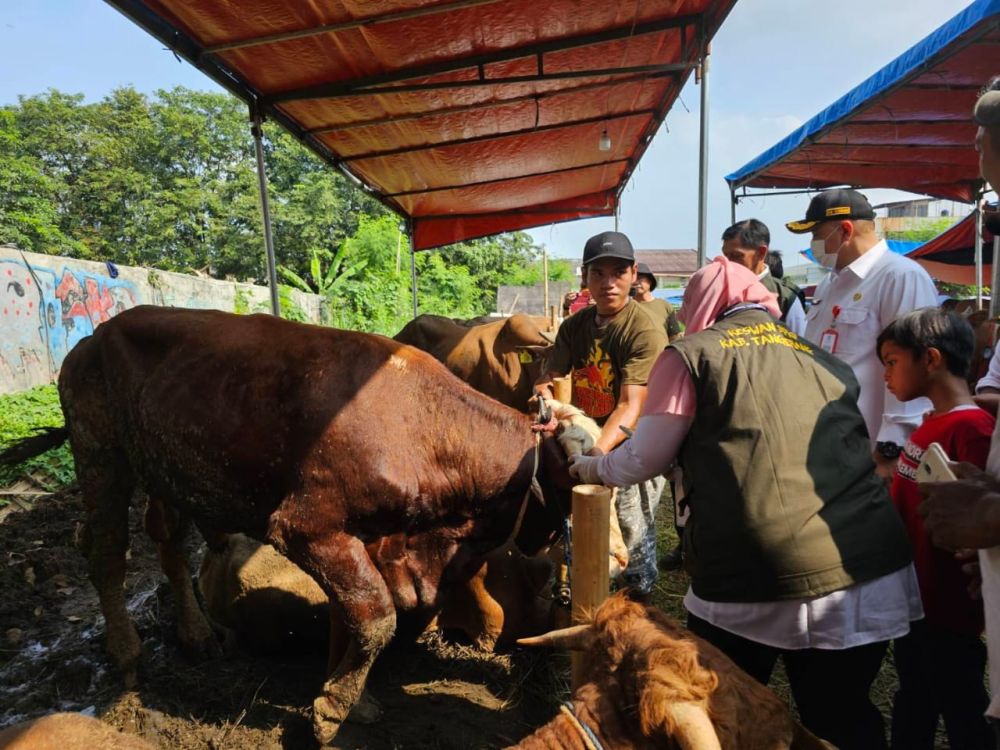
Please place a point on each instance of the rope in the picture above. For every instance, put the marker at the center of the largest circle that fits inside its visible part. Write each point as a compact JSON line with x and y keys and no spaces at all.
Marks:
{"x":533,"y":489}
{"x":590,"y":740}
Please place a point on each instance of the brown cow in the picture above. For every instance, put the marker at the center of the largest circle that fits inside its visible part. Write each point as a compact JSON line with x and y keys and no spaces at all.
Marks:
{"x":253,"y":594}
{"x":487,"y":356}
{"x":364,"y":461}
{"x":649,"y":683}
{"x":67,"y":731}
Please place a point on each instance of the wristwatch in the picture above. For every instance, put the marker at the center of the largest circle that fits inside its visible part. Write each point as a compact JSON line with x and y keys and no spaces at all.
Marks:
{"x":888,"y":450}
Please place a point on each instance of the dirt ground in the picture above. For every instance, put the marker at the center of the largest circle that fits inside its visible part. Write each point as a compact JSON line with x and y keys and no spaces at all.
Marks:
{"x":434,"y":694}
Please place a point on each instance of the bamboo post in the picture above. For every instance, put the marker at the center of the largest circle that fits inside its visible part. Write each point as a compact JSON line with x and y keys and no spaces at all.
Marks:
{"x":591,"y":521}
{"x":553,"y":318}
{"x":562,"y":389}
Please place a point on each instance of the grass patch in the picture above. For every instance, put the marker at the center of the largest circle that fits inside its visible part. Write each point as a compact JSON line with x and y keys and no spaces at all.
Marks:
{"x":22,"y":415}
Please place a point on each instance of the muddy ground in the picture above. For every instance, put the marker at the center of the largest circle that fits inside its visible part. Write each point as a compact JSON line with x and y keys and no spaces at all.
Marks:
{"x":434,"y":693}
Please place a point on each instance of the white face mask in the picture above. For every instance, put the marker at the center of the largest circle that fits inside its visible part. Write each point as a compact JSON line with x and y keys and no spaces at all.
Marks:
{"x":818,"y":248}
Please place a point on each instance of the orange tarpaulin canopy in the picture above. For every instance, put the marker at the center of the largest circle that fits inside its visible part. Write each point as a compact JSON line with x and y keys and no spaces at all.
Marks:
{"x":468,"y":117}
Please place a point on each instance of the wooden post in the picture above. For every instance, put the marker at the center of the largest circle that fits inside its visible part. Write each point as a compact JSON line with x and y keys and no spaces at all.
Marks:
{"x":553,"y":318}
{"x":562,"y":389}
{"x":591,"y":521}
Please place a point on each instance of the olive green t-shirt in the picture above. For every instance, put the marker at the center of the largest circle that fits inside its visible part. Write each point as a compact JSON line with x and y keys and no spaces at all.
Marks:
{"x":662,"y":312}
{"x":603,"y":359}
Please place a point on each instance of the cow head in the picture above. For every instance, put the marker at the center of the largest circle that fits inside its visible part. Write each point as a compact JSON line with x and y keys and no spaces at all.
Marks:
{"x":647,"y":682}
{"x":523,"y":334}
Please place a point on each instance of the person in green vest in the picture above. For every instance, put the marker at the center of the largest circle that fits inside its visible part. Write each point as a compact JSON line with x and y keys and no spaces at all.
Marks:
{"x":661,"y":311}
{"x":793,"y":546}
{"x":746,"y":242}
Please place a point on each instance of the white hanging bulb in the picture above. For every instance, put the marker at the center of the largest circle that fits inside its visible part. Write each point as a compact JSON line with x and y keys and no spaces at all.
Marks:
{"x":604,"y":143}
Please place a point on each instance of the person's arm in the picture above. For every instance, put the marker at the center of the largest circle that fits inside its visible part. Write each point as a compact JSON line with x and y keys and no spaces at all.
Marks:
{"x":649,"y":452}
{"x":558,"y":363}
{"x":796,"y":318}
{"x":625,"y":414}
{"x":988,"y":388}
{"x":965,"y":513}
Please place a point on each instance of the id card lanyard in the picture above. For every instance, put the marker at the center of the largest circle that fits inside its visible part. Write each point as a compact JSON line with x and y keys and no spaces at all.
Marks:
{"x":828,"y":339}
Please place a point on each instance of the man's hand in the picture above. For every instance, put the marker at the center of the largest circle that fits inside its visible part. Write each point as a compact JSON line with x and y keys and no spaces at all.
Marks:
{"x":584,"y":468}
{"x":964,"y":513}
{"x":970,"y":566}
{"x":885,"y":468}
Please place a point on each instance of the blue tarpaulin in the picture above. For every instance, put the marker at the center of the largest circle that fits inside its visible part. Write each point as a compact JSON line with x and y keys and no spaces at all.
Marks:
{"x":907,"y":127}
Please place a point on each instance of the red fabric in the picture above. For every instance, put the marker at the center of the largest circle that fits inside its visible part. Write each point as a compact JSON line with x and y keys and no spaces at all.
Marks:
{"x":965,"y":436}
{"x":582,"y":300}
{"x":468,"y":119}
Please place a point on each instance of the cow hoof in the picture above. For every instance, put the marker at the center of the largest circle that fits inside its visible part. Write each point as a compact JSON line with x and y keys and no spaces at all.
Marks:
{"x":365,"y":711}
{"x":325,"y":723}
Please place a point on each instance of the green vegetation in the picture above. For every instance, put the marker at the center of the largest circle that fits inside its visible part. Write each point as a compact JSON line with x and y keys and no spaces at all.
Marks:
{"x":927,"y":230}
{"x":22,"y":415}
{"x":169,"y":182}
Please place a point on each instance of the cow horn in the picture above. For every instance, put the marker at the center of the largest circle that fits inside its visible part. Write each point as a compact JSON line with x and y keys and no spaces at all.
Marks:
{"x":575,"y":638}
{"x":693,"y":729}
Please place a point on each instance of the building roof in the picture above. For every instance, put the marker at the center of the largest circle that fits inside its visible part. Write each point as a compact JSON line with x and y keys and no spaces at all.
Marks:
{"x":669,"y":262}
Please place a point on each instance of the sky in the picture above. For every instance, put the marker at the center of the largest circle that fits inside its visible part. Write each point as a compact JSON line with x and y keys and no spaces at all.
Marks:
{"x":775,"y":64}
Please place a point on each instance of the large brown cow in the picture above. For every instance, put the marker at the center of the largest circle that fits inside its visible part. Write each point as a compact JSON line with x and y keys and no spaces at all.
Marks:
{"x":649,"y":683}
{"x":487,"y":356}
{"x":364,"y":461}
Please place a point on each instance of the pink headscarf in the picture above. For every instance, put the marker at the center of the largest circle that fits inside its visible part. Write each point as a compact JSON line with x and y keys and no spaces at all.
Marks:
{"x":717,"y":287}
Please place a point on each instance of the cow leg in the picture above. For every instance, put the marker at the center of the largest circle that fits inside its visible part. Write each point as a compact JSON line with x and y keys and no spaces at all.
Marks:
{"x":360,"y":600}
{"x":107,"y":488}
{"x":167,"y":528}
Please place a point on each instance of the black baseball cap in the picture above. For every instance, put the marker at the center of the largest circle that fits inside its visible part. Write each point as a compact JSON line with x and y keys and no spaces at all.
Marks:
{"x":608,"y":245}
{"x":644,"y":271}
{"x":833,"y":205}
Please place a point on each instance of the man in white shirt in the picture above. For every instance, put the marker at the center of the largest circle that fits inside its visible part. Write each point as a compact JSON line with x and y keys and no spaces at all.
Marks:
{"x":868,"y":287}
{"x":746,"y":242}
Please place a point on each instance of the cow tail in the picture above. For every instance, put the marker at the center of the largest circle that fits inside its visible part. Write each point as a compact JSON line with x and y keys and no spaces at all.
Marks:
{"x":47,"y":439}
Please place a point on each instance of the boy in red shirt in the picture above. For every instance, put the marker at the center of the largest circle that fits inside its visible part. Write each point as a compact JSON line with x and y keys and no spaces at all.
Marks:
{"x":942,"y":660}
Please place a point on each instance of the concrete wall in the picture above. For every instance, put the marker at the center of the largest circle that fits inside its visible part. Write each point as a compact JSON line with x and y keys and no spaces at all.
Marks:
{"x":530,"y":299}
{"x":48,"y":303}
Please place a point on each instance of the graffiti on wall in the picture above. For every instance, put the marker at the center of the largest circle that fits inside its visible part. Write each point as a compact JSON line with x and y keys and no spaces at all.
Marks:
{"x":49,"y":310}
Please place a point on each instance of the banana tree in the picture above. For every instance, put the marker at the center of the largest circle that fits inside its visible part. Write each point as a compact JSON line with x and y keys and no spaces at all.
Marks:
{"x":326,"y":283}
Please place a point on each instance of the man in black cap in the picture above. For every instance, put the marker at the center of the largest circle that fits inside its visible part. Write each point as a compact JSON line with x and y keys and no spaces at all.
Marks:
{"x":660,"y":310}
{"x":868,"y":287}
{"x":610,"y":348}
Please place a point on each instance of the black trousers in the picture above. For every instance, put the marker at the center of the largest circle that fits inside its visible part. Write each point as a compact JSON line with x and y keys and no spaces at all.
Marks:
{"x":940,"y":674}
{"x":830,"y":688}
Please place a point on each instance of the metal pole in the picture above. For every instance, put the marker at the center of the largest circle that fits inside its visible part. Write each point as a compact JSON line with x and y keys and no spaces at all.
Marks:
{"x":979,"y":253}
{"x":995,"y":280}
{"x":545,"y":279}
{"x":732,"y":205}
{"x":703,"y":161}
{"x":413,"y":270}
{"x":265,"y":208}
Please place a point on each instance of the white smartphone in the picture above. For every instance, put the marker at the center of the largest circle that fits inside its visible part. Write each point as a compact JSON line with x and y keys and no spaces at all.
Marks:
{"x":935,"y":465}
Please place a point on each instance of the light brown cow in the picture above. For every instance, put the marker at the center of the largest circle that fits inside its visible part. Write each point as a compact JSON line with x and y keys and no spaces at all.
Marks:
{"x":649,"y":683}
{"x":488,"y":356}
{"x":67,"y":731}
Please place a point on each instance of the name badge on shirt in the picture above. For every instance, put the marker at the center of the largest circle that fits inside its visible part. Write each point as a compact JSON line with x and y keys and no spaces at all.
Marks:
{"x":828,"y":339}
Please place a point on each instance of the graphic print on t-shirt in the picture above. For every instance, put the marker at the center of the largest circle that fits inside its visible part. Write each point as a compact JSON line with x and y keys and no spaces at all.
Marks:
{"x":593,"y":384}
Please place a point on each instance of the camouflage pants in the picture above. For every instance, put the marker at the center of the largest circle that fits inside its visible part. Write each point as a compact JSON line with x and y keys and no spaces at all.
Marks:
{"x":637,"y":516}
